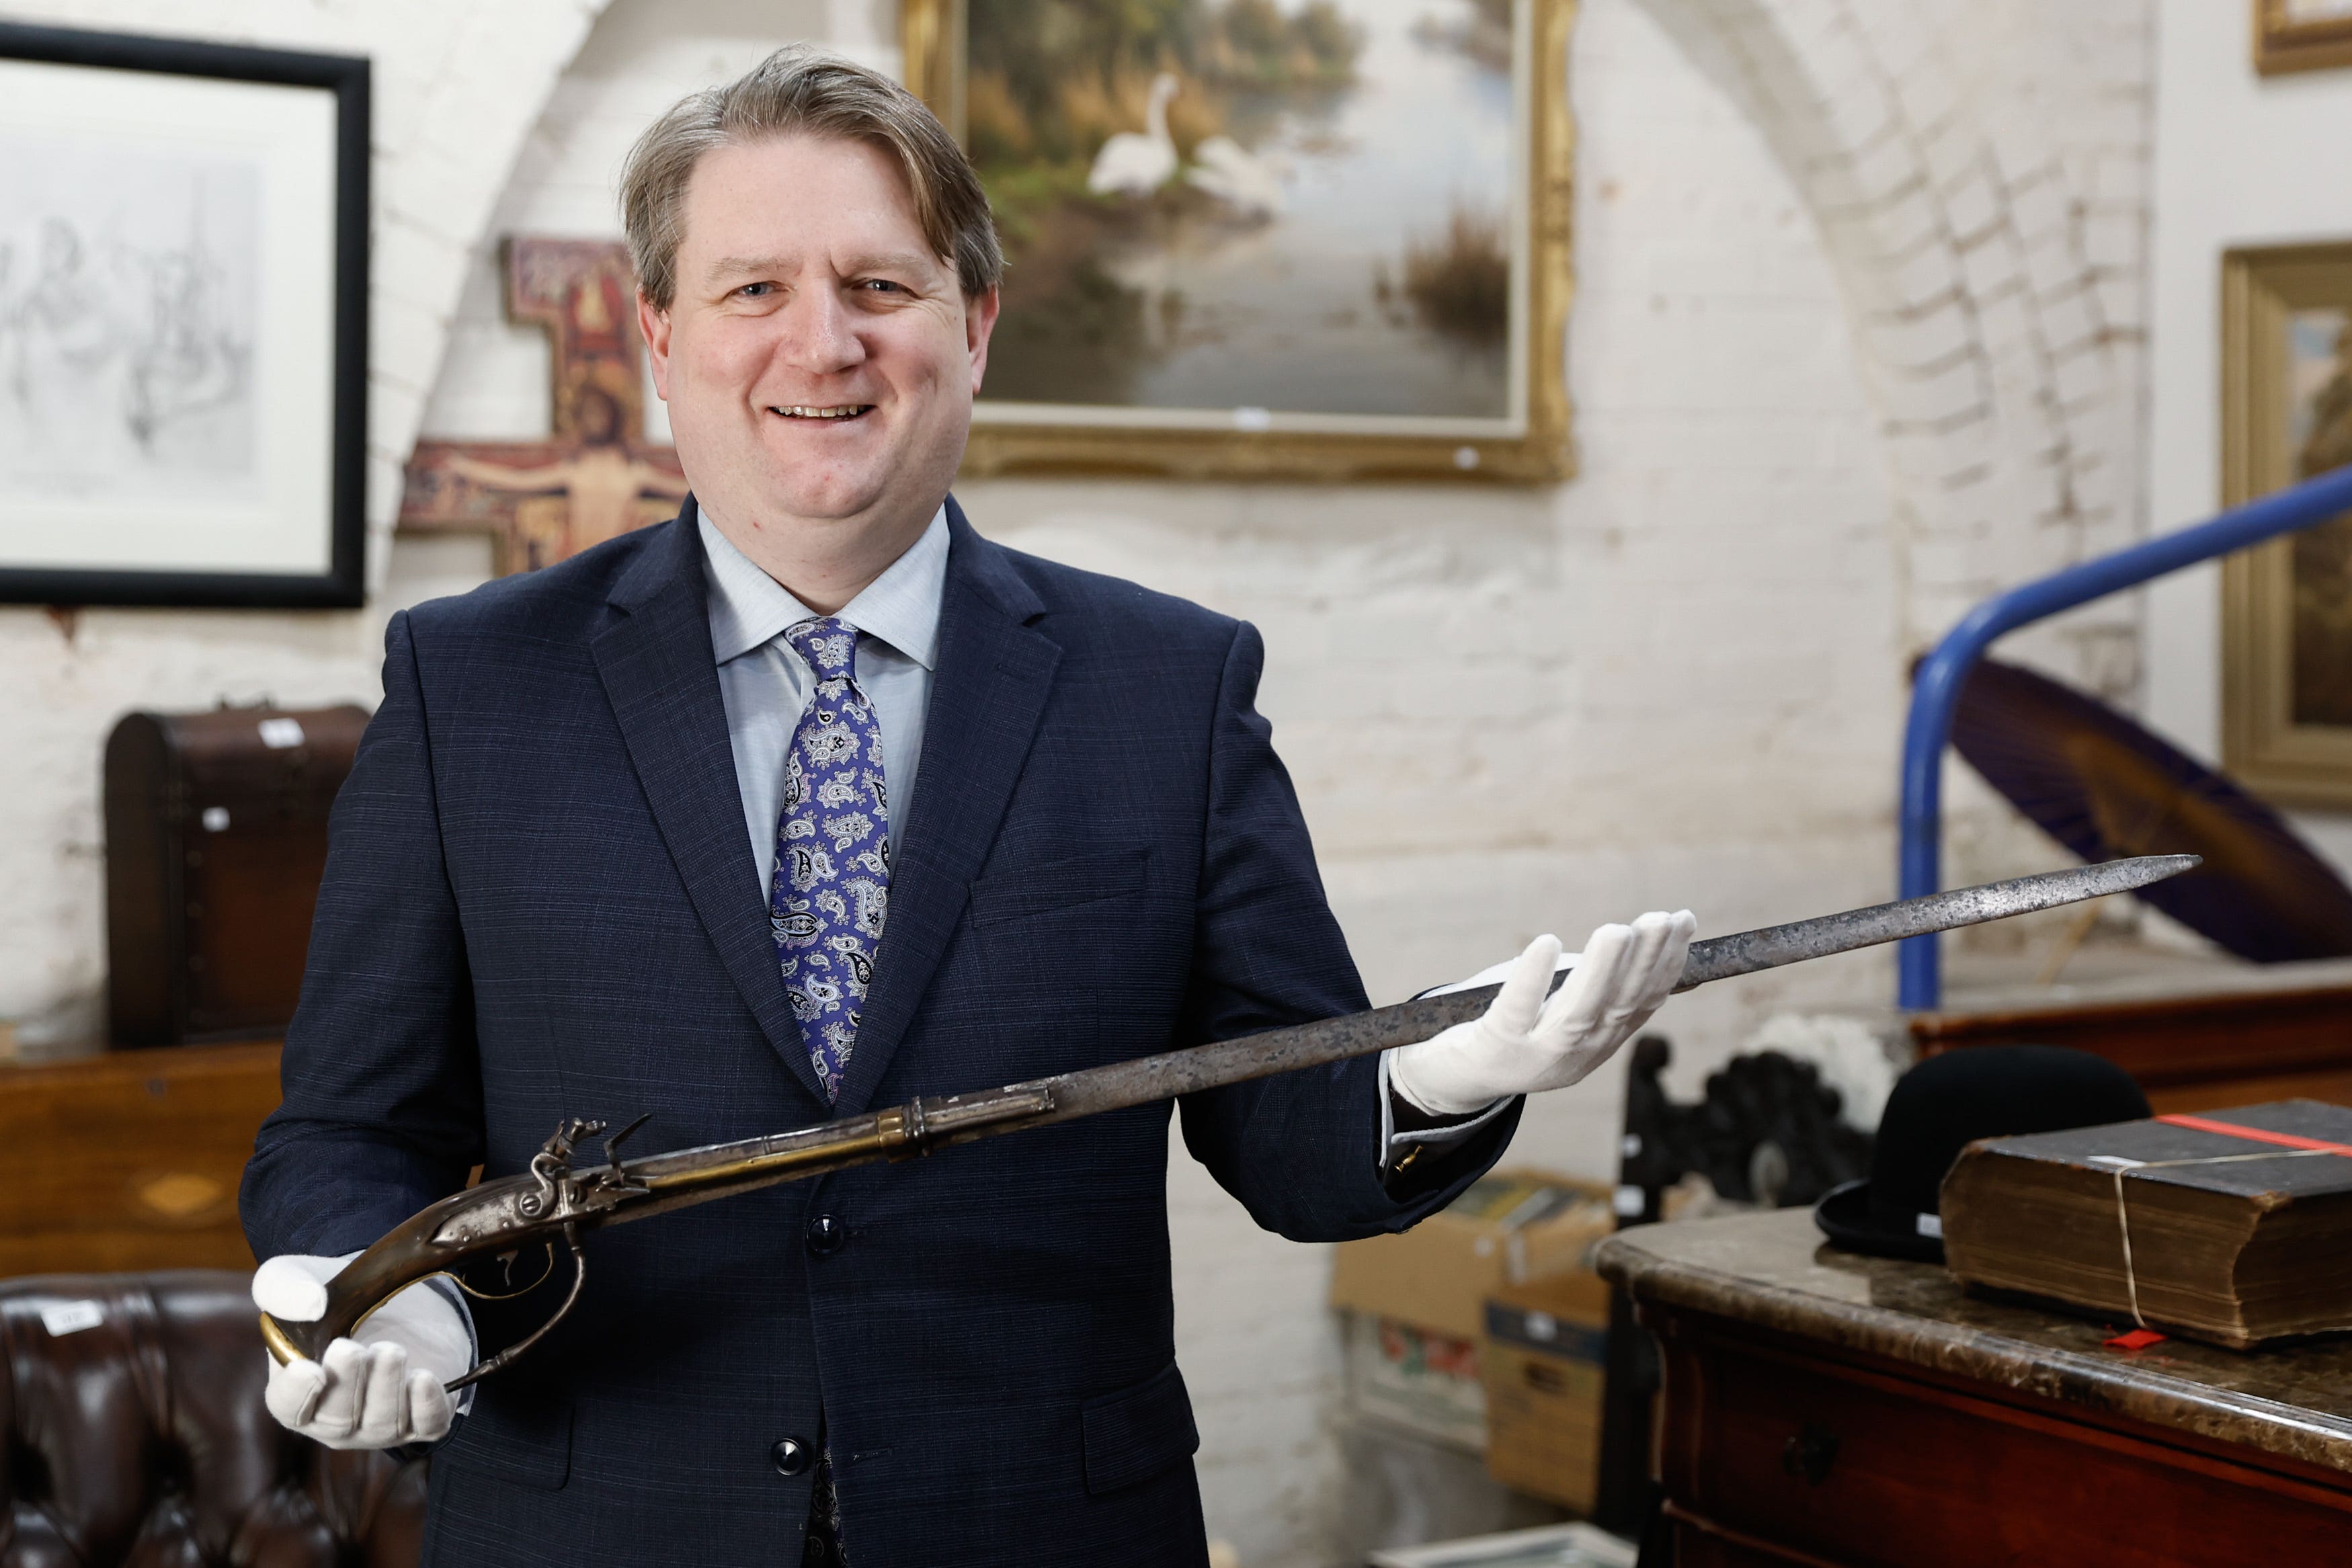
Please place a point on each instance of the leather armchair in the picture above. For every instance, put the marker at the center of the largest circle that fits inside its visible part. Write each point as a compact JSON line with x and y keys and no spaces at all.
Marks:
{"x":131,"y":1430}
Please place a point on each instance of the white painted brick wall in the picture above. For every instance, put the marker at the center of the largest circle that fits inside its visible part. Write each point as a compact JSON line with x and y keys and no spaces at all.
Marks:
{"x":456,"y":87}
{"x":1856,"y":341}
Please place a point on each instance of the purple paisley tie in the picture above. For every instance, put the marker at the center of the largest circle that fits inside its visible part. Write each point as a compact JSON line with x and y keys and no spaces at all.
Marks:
{"x":832,"y":885}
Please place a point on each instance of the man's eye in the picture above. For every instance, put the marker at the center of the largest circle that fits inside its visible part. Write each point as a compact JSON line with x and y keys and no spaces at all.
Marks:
{"x":880,"y":284}
{"x":756,"y":290}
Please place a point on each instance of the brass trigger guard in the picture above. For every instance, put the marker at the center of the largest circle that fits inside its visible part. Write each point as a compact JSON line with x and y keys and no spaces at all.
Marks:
{"x":283,"y":1350}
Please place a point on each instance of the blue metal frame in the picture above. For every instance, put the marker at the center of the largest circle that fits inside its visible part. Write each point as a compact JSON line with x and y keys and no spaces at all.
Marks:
{"x":1935,"y":686}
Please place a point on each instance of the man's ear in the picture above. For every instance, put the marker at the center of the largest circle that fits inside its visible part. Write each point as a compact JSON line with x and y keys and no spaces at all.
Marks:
{"x":979,"y":321}
{"x":654,"y":326}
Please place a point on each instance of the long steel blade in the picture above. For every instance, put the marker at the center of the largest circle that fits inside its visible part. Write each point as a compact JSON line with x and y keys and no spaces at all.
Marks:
{"x":1175,"y":1073}
{"x":697,"y":1176}
{"x":1720,"y":957}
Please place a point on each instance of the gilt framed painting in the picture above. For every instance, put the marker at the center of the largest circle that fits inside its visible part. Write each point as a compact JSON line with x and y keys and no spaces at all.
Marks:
{"x":2302,"y":34}
{"x":183,"y":322}
{"x":2286,"y":648}
{"x":1315,"y":240}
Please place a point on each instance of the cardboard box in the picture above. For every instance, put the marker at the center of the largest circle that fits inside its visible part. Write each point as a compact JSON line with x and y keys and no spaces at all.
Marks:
{"x":1547,"y":1546}
{"x":1426,"y":1385}
{"x":1509,"y":1227}
{"x":1545,"y":1358}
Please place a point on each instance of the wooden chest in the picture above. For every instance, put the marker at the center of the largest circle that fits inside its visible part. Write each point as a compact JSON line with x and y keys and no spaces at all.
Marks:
{"x":216,"y":839}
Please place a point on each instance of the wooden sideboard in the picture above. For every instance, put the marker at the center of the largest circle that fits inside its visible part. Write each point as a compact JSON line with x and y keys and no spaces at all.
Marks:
{"x":131,"y":1159}
{"x":2205,"y":1039}
{"x":1836,"y":1411}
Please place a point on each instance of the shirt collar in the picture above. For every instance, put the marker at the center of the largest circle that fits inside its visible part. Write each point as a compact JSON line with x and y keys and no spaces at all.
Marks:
{"x":749,"y":609}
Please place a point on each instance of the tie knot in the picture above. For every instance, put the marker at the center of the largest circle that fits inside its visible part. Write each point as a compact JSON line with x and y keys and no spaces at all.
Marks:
{"x":828,"y":644}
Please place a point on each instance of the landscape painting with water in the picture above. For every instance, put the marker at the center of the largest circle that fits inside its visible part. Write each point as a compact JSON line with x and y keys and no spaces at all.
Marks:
{"x":1259,"y":215}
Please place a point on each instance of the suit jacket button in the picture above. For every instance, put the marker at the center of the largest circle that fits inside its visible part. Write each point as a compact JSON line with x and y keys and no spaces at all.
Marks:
{"x":825,"y":1235}
{"x":793,"y":1456}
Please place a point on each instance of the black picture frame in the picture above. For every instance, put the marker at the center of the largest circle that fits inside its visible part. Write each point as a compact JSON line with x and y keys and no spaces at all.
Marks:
{"x":344,"y":583}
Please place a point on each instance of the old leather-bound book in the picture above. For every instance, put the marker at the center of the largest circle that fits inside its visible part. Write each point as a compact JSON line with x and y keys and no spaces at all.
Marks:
{"x":2233,"y":1227}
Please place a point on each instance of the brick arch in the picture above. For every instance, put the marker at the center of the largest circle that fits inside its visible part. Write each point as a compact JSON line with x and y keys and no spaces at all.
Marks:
{"x":1988,"y":232}
{"x":456,"y":105}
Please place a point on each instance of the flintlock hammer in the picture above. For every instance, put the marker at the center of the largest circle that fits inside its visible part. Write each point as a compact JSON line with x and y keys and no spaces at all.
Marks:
{"x":555,"y":1200}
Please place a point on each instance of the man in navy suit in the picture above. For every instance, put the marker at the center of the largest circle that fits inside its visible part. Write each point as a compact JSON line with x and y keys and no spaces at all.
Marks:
{"x":809,"y":801}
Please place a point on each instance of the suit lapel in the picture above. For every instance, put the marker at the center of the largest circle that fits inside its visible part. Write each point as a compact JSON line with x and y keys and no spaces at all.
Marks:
{"x":662,"y":680}
{"x":988,"y":691}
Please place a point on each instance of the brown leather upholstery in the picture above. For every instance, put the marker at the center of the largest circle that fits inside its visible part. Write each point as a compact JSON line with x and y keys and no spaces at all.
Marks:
{"x":142,"y":1440}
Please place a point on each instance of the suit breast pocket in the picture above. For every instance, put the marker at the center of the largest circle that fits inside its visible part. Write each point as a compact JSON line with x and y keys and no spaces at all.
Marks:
{"x":1071,"y":882}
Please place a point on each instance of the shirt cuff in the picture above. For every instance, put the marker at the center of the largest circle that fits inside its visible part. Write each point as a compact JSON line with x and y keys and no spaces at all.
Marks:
{"x":1401,"y":1145}
{"x":447,"y":1290}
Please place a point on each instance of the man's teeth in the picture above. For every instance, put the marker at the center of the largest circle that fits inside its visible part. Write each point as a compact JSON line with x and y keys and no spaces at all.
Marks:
{"x":839,"y":411}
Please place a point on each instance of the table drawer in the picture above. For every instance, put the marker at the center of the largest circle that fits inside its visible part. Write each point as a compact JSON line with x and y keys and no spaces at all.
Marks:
{"x":1853,"y":1466}
{"x":1696,"y":1546}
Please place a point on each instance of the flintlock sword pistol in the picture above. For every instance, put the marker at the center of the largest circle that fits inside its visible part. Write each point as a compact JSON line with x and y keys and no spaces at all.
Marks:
{"x":556,"y":1200}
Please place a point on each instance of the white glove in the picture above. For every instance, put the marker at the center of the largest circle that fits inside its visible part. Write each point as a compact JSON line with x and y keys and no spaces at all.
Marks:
{"x":1524,"y":1043}
{"x":376,"y":1391}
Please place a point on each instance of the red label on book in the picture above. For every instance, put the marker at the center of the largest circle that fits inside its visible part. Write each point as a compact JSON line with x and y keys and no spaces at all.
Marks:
{"x":2258,"y":1134}
{"x":2138,"y":1339}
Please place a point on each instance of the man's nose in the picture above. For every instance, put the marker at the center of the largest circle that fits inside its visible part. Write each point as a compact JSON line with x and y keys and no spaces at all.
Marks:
{"x":819,"y":333}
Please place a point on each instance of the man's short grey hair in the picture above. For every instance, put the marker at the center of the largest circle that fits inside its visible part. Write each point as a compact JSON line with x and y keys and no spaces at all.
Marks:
{"x":800,"y":92}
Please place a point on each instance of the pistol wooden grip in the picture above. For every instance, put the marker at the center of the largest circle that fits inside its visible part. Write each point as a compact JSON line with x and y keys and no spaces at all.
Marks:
{"x":351,"y":1296}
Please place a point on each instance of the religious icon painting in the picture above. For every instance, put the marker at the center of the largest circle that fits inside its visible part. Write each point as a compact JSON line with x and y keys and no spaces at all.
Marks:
{"x":183,"y":322}
{"x":596,"y":474}
{"x":2288,"y":605}
{"x":1316,"y":239}
{"x":2302,"y":34}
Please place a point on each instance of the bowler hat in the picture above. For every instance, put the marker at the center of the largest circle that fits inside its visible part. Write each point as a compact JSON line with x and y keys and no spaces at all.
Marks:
{"x":1946,"y":1103}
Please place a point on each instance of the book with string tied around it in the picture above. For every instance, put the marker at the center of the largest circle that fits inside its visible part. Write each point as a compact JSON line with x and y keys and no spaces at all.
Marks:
{"x":2232,"y":1226}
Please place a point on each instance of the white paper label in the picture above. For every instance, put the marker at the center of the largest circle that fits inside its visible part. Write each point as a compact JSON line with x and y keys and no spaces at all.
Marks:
{"x":216,"y":819}
{"x":1932,"y":1226}
{"x":71,"y":1317}
{"x":282,"y":734}
{"x":1627,"y":1201}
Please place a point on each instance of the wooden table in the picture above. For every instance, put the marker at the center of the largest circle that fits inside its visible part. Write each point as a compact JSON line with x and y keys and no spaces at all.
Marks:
{"x":130,"y":1159}
{"x":1826,"y":1408}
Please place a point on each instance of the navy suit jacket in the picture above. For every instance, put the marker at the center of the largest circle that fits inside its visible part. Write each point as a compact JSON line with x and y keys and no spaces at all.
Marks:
{"x":539,"y":902}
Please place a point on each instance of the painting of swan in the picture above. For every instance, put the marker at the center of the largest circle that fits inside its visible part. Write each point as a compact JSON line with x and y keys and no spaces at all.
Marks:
{"x":1227,"y":211}
{"x":1249,"y":185}
{"x":1136,"y":165}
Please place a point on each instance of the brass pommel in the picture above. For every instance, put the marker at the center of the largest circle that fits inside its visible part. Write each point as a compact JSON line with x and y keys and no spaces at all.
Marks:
{"x":282,"y":1349}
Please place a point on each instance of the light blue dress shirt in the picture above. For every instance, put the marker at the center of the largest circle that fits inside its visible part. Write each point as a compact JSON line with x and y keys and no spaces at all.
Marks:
{"x":765,"y":686}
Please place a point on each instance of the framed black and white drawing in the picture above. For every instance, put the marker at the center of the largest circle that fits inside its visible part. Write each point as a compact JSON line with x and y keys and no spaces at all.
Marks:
{"x":183,"y":322}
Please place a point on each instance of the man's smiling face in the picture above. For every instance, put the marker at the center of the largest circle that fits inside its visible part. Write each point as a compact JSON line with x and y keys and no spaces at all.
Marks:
{"x":819,"y":361}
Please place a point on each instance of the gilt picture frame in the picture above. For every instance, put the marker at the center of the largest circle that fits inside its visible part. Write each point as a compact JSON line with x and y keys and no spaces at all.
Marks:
{"x":1268,"y":239}
{"x":183,"y":322}
{"x":2302,"y":34}
{"x":2287,"y":617}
